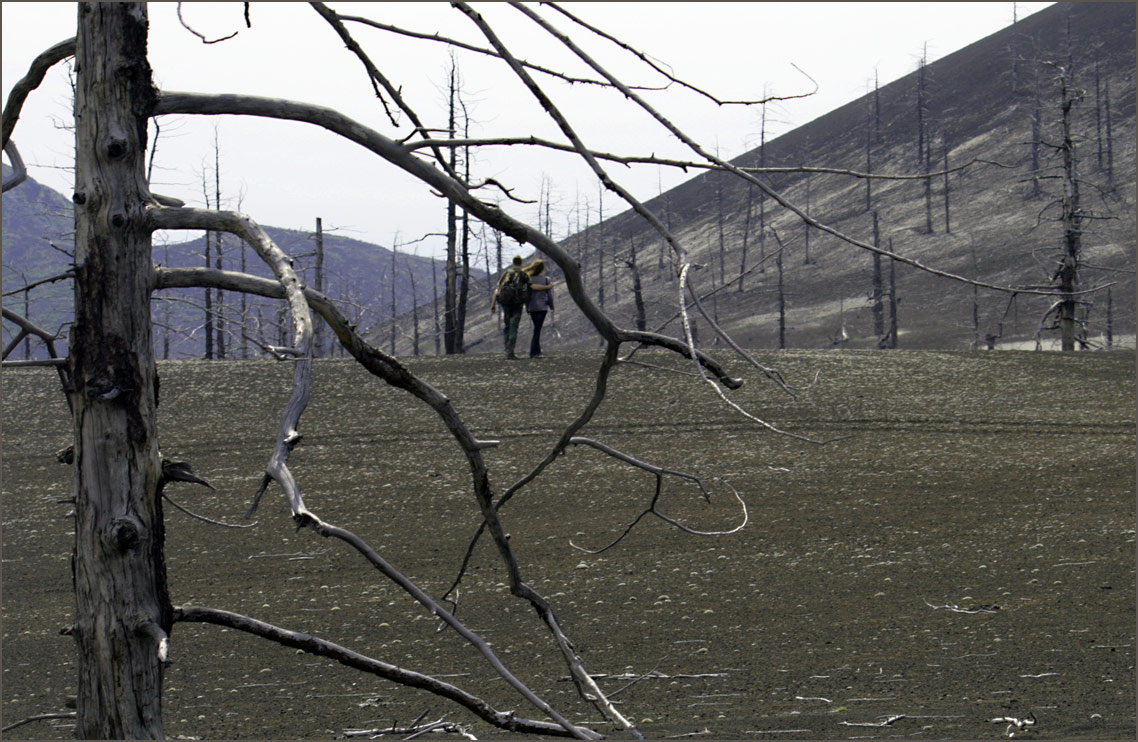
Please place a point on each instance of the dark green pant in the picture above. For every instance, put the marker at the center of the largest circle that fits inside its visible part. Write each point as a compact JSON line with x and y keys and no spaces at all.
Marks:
{"x":512,"y":317}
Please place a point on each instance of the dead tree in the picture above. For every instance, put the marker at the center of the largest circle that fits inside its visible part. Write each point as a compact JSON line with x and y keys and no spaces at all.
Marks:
{"x":450,"y":301}
{"x":877,"y":293}
{"x":1067,"y":275}
{"x":124,"y":611}
{"x":637,"y":292}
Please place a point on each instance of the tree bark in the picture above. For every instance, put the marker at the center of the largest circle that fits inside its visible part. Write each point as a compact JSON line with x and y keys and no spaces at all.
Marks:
{"x":122,"y":608}
{"x":875,"y":296}
{"x":1068,"y":273}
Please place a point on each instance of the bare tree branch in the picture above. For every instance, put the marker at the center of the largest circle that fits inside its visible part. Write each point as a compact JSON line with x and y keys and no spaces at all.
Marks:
{"x":313,"y":645}
{"x":202,"y":36}
{"x":398,"y":155}
{"x":397,"y":375}
{"x":686,"y":165}
{"x":29,"y":82}
{"x":19,"y":170}
{"x":479,"y":50}
{"x":659,"y":472}
{"x":671,"y":78}
{"x":695,"y":147}
{"x":281,"y":265}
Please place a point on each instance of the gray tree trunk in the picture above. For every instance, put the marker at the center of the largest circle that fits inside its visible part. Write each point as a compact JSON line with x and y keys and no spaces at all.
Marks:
{"x":122,"y":609}
{"x":1068,"y":274}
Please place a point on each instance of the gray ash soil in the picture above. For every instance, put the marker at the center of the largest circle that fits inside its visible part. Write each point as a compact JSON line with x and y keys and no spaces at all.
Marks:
{"x":964,"y":552}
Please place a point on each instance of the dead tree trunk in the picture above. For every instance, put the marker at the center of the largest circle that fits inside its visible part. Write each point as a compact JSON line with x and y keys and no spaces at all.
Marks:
{"x":875,"y":296}
{"x":746,"y":238}
{"x":637,"y":292}
{"x":317,"y":329}
{"x":414,"y":310}
{"x":928,"y":185}
{"x":122,"y":608}
{"x":394,"y":294}
{"x":218,"y":237}
{"x":450,"y":301}
{"x":892,"y":300}
{"x":435,"y":288}
{"x":1068,"y":273}
{"x":947,"y":218}
{"x":781,"y":302}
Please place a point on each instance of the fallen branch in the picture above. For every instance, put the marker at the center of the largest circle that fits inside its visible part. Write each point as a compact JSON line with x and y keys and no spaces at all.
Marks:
{"x":313,"y":645}
{"x":39,"y":717}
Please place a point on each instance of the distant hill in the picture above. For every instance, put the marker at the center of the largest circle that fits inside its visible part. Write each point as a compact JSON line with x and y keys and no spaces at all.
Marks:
{"x":979,"y":105}
{"x":988,"y":222}
{"x":38,"y":227}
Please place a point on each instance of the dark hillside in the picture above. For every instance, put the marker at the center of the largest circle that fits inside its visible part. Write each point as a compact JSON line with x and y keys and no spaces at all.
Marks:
{"x":978,"y":107}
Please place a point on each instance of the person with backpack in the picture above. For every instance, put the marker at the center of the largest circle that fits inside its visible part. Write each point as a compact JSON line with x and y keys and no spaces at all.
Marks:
{"x":539,"y":304}
{"x":512,"y":293}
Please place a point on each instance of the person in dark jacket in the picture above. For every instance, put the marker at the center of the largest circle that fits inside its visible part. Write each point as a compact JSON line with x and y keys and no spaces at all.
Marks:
{"x":540,"y":303}
{"x":511,"y":308}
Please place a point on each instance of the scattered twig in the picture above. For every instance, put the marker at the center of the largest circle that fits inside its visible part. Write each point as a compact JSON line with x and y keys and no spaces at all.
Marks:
{"x":888,"y":721}
{"x":957,"y":609}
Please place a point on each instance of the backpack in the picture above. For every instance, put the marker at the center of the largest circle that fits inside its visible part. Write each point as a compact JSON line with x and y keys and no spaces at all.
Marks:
{"x":514,"y":288}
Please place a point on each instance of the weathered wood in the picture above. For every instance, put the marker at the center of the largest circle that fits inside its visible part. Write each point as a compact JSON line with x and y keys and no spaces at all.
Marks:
{"x":122,"y":609}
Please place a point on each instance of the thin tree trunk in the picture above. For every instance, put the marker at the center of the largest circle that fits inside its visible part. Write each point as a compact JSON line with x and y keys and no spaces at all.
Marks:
{"x":947,"y":221}
{"x":464,"y":283}
{"x":219,"y":324}
{"x":600,"y":247}
{"x":394,"y":305}
{"x":892,"y":299}
{"x":637,"y":293}
{"x":1109,"y":319}
{"x":122,"y":608}
{"x":746,"y":236}
{"x":928,"y":185}
{"x":435,"y":288}
{"x":878,"y":309}
{"x":781,"y":303}
{"x":451,"y":292}
{"x":318,"y":323}
{"x":1068,"y":273}
{"x":414,"y":311}
{"x":208,"y":292}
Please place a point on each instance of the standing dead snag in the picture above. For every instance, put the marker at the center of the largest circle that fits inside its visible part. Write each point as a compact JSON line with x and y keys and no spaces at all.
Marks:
{"x":122,"y":609}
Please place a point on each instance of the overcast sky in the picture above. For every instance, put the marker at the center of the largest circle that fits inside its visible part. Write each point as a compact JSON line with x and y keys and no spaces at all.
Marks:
{"x":287,"y":174}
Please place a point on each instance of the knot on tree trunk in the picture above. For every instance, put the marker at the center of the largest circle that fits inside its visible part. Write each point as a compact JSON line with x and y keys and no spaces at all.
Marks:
{"x":125,"y":532}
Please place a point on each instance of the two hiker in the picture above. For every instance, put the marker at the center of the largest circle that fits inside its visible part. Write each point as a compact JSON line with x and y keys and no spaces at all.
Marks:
{"x":523,"y":288}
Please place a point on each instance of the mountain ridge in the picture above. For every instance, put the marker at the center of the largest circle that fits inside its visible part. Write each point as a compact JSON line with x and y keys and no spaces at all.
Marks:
{"x":979,"y":107}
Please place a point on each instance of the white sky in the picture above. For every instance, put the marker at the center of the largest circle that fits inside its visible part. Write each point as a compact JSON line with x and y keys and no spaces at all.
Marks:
{"x":287,"y":174}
